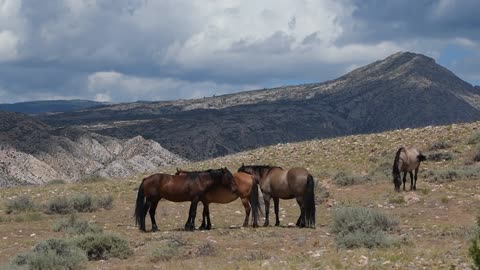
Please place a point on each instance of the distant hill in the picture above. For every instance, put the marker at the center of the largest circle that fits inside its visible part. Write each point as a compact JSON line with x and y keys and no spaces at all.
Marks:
{"x":34,"y":153}
{"x":403,"y":90}
{"x":47,"y":106}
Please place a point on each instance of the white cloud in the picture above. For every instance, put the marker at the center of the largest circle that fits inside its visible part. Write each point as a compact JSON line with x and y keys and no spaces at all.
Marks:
{"x":163,"y":49}
{"x":8,"y":46}
{"x":116,"y":87}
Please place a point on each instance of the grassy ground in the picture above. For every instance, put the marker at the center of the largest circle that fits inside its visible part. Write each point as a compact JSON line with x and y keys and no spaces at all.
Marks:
{"x":436,"y":221}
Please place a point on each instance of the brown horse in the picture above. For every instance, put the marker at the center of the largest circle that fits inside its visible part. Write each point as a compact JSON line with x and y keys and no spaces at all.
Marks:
{"x":247,"y":190}
{"x":278,"y":183}
{"x":406,"y":160}
{"x":178,"y":188}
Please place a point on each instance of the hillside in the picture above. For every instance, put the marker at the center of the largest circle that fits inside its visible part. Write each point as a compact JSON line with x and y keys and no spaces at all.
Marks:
{"x":32,"y":152}
{"x":403,"y":90}
{"x":435,"y":222}
{"x":49,"y":106}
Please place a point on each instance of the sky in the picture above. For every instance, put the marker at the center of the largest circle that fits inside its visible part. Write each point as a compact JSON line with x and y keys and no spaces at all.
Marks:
{"x":129,"y":50}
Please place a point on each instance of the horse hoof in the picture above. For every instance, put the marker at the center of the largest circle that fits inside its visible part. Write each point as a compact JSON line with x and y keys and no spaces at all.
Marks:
{"x":265,"y":225}
{"x":255,"y":225}
{"x":277,"y":224}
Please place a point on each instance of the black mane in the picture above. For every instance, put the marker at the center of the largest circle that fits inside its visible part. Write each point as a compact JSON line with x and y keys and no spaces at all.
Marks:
{"x":215,"y":174}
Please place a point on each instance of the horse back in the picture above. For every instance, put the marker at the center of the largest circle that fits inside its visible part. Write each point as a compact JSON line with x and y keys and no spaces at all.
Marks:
{"x":409,"y":159}
{"x":174,"y":188}
{"x":297,"y":180}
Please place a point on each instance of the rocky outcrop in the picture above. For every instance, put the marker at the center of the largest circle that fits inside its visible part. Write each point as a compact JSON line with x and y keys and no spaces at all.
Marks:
{"x":31,"y":152}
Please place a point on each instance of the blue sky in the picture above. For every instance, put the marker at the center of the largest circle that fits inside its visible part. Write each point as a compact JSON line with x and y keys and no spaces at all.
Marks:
{"x":128,"y":50}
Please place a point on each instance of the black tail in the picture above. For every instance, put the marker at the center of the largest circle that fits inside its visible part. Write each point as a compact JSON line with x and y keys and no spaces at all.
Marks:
{"x":309,"y":202}
{"x":395,"y":169}
{"x":139,"y":208}
{"x":421,"y":157}
{"x":255,"y":203}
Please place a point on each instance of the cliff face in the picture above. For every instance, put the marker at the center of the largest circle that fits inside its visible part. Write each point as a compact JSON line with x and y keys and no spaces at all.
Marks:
{"x":32,"y":152}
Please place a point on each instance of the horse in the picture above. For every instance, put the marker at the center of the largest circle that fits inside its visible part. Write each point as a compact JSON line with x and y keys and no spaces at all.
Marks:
{"x":278,"y":183}
{"x":247,"y":190}
{"x":178,"y":188}
{"x":407,"y":159}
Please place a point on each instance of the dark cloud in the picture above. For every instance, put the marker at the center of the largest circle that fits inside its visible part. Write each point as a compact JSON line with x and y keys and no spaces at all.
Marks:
{"x":165,"y":49}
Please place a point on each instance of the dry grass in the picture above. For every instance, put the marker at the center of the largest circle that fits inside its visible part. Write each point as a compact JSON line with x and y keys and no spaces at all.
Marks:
{"x":433,"y":232}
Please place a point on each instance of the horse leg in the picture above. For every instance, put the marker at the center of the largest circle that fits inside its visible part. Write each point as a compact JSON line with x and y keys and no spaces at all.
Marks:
{"x":153,"y":208}
{"x":206,"y":209}
{"x":404,"y":180}
{"x":204,"y":217}
{"x":190,"y":225}
{"x":411,"y":180}
{"x":248,"y":209}
{"x":301,"y":218}
{"x":266,"y":199}
{"x":415,"y":183}
{"x":143,"y":226}
{"x":276,"y":202}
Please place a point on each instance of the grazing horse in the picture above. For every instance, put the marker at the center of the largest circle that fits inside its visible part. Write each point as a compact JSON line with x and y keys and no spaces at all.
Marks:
{"x":247,"y":190}
{"x":178,"y":188}
{"x":406,"y":160}
{"x":278,"y":183}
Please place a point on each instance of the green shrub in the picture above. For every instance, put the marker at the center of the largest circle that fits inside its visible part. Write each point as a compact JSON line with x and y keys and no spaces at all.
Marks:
{"x":104,"y":246}
{"x":439,"y":156}
{"x":453,"y":174}
{"x":83,"y":203}
{"x":344,"y":178}
{"x":476,"y":157}
{"x":92,"y":179}
{"x":439,"y":145}
{"x":59,"y":205}
{"x":167,"y":250}
{"x":321,"y":193}
{"x":207,"y":249}
{"x":56,"y":182}
{"x":474,"y":138}
{"x":474,"y":250}
{"x":382,"y":171}
{"x":51,"y":254}
{"x":73,"y":225}
{"x":105,"y":202}
{"x":21,"y":203}
{"x":361,"y":227}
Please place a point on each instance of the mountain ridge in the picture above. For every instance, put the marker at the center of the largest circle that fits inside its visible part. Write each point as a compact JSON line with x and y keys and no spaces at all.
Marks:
{"x":400,"y":91}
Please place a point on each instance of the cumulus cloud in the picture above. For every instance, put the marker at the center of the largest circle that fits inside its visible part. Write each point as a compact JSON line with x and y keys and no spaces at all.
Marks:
{"x":127,"y":50}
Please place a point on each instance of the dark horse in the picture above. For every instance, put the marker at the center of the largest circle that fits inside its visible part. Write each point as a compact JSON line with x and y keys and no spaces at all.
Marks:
{"x":247,"y":190}
{"x":406,"y":160}
{"x":278,"y":183}
{"x":178,"y":188}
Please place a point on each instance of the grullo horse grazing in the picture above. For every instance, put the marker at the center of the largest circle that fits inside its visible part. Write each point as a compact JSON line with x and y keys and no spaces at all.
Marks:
{"x":178,"y":188}
{"x":406,"y":160}
{"x":278,"y":183}
{"x":247,"y":190}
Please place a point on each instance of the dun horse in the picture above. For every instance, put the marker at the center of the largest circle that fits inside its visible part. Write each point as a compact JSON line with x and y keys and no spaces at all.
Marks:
{"x":178,"y":188}
{"x":406,"y":160}
{"x":247,"y":190}
{"x":278,"y":183}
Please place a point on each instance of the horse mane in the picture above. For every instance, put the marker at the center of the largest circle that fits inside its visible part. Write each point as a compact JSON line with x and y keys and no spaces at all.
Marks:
{"x":395,"y":169}
{"x":262,"y":169}
{"x":214,"y":173}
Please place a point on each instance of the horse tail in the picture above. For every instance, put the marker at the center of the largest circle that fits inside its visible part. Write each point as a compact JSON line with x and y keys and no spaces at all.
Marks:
{"x":395,"y":169}
{"x":309,"y":202}
{"x":421,"y":157}
{"x":255,"y":202}
{"x":139,"y":206}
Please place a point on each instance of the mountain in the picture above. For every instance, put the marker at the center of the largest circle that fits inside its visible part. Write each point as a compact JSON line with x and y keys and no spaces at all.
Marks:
{"x":33,"y":152}
{"x":403,"y":90}
{"x":49,"y":106}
